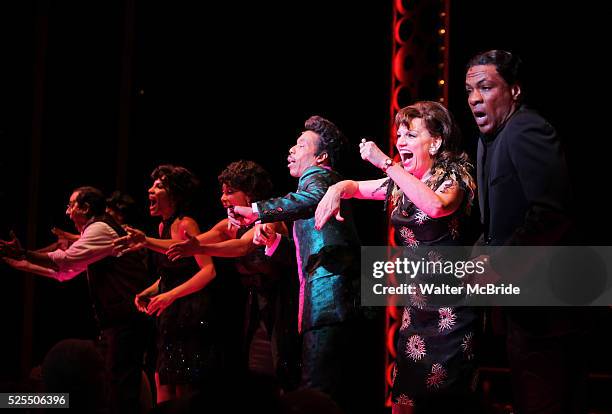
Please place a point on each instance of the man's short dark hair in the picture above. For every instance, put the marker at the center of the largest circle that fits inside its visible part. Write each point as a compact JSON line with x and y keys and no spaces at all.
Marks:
{"x":94,"y":199}
{"x":248,"y":177}
{"x":508,"y":64}
{"x":331,"y":140}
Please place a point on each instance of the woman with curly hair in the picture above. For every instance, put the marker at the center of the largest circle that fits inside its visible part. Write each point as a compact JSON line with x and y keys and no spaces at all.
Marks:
{"x":268,"y":324}
{"x":182,"y":297}
{"x":269,"y":341}
{"x":431,"y":190}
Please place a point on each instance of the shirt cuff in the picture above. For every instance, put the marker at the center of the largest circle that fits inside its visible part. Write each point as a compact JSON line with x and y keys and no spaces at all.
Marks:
{"x":255,"y":210}
{"x":56,"y":255}
{"x":270,"y":250}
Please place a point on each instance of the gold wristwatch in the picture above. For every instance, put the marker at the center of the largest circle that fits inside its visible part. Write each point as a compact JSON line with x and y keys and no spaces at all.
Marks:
{"x":387,"y":164}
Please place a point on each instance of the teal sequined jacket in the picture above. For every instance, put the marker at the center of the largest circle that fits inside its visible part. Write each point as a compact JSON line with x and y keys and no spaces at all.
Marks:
{"x":329,"y":258}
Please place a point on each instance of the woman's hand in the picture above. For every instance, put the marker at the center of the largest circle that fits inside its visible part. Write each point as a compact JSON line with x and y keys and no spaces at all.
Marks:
{"x":135,"y":240}
{"x":370,"y":152}
{"x":188,"y":247}
{"x":329,"y":206}
{"x":141,"y":301}
{"x":264,"y":235}
{"x":160,"y":302}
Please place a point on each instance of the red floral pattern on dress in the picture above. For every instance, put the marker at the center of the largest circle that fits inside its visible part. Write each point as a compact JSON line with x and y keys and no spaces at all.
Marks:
{"x":415,"y":347}
{"x":437,"y":376}
{"x":405,"y":319}
{"x":447,"y":318}
{"x":434,"y":256}
{"x":403,"y":399}
{"x":467,"y":345}
{"x":408,"y":237}
{"x":420,"y":217}
{"x":417,"y":299}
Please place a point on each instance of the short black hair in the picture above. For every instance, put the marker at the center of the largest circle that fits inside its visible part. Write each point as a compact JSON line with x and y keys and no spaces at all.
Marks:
{"x":248,"y":177}
{"x":508,"y":65}
{"x":180,"y":183}
{"x":331,"y":140}
{"x":93,"y":197}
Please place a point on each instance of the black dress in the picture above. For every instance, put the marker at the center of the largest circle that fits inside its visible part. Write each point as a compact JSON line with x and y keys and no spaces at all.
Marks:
{"x":435,"y":349}
{"x":186,"y":330}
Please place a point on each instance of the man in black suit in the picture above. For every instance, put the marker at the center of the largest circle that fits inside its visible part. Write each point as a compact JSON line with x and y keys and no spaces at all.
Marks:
{"x":335,"y":358}
{"x":525,"y":196}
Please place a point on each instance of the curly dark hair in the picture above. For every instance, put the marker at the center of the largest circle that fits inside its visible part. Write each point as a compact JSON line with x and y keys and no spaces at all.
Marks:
{"x":180,"y":183}
{"x":331,"y":140}
{"x":248,"y":177}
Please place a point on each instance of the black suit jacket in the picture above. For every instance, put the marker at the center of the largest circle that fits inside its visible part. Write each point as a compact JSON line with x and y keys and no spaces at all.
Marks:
{"x":525,"y":199}
{"x":329,"y":258}
{"x":523,"y":183}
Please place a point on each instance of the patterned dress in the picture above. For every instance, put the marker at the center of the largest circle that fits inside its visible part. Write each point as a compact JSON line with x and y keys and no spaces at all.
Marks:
{"x":187,"y":352}
{"x":435,"y":347}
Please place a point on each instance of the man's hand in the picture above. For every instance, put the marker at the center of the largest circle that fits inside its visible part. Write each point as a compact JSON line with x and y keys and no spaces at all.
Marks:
{"x":12,"y":248}
{"x":186,"y":248}
{"x":241,"y":216}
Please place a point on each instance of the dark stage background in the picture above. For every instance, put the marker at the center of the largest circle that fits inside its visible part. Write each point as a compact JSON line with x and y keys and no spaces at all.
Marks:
{"x":99,"y":93}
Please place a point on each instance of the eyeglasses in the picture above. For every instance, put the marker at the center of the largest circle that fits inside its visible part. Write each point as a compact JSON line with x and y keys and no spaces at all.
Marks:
{"x":71,"y":205}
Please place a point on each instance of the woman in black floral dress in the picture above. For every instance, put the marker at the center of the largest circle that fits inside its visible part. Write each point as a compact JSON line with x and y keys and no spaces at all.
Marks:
{"x":430,"y":190}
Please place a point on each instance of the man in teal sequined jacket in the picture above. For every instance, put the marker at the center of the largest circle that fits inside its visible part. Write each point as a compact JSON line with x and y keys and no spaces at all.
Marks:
{"x":328,"y":262}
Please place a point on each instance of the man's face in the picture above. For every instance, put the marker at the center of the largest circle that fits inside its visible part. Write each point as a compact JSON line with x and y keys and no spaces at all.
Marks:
{"x":490,"y":98}
{"x":303,"y":154}
{"x":76,"y":212}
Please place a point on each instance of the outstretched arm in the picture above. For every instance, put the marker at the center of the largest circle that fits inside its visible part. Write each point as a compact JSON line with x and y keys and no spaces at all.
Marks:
{"x":435,"y":203}
{"x":198,"y":281}
{"x":228,"y":248}
{"x":330,"y":203}
{"x":137,"y":239}
{"x":25,"y":266}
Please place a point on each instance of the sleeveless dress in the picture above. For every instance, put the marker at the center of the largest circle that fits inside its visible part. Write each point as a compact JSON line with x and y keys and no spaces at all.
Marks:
{"x":435,"y":363}
{"x":187,"y":352}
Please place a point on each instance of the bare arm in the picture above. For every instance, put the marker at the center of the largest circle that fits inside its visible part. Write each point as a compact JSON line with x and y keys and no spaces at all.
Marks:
{"x":228,"y":248}
{"x":25,"y":266}
{"x":330,"y":203}
{"x":198,"y":281}
{"x":444,"y":201}
{"x":137,"y":239}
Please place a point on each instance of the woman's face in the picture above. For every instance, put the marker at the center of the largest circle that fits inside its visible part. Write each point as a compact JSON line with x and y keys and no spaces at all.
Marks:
{"x":160,"y":202}
{"x":233,"y":197}
{"x":417,"y":147}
